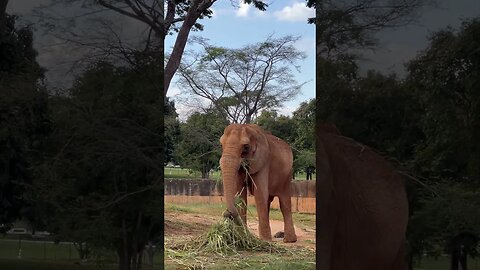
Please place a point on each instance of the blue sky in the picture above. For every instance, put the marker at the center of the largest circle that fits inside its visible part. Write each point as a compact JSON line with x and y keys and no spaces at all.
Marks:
{"x":235,"y":26}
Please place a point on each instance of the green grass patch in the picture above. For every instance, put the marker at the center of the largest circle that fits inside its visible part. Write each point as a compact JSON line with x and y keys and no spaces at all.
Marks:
{"x":178,"y":208}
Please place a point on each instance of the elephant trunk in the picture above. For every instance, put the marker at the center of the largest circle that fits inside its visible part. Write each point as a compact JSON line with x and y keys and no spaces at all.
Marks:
{"x":230,"y":166}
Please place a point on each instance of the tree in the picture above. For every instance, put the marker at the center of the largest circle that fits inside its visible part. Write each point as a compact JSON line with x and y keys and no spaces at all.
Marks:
{"x":103,"y":179}
{"x":172,"y":130}
{"x":279,"y":125}
{"x":239,"y":83}
{"x":444,"y":78}
{"x":24,"y":120}
{"x":199,"y":145}
{"x":440,"y":227}
{"x":304,"y":120}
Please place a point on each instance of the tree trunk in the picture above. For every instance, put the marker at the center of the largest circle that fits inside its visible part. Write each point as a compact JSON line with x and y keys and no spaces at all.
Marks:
{"x":124,"y":254}
{"x":124,"y":259}
{"x":454,"y":260}
{"x":180,"y":43}
{"x":82,"y":250}
{"x":463,"y":260}
{"x":139,"y":259}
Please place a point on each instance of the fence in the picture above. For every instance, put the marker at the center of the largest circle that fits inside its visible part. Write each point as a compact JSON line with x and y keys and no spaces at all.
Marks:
{"x":184,"y":191}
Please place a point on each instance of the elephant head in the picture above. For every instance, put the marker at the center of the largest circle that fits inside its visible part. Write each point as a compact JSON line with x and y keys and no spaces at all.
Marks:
{"x":240,"y":144}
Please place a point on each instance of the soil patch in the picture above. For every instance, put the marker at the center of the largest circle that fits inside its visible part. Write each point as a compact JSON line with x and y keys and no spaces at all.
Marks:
{"x":187,"y":225}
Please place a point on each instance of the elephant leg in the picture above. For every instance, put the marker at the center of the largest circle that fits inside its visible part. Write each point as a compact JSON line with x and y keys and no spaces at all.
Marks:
{"x":261,"y":202}
{"x":289,"y":229}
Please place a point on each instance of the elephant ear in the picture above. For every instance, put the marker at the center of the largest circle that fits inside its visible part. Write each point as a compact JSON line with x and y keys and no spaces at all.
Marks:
{"x":253,"y":137}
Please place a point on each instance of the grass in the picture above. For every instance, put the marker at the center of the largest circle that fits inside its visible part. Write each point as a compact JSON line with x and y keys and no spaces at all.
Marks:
{"x":9,"y":249}
{"x":47,"y":255}
{"x":297,"y":259}
{"x":226,"y":237}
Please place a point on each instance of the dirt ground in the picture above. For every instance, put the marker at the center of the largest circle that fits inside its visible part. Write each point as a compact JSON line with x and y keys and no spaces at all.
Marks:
{"x":186,"y":225}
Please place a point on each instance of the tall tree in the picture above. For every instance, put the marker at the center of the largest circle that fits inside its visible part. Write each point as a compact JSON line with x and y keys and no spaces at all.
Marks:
{"x":239,"y":83}
{"x":103,"y":178}
{"x":24,"y":119}
{"x":304,"y":120}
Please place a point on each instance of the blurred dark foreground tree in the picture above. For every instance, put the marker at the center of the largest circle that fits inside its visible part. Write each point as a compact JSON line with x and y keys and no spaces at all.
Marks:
{"x":24,"y":120}
{"x":103,"y":179}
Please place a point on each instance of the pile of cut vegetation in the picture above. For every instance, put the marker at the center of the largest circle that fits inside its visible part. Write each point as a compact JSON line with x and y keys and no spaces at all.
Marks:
{"x":227,"y":237}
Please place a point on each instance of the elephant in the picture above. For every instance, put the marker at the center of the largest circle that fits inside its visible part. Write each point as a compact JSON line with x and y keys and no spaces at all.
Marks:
{"x":362,"y":210}
{"x":268,"y":174}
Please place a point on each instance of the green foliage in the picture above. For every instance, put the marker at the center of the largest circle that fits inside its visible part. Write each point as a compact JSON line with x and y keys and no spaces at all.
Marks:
{"x":434,"y":227}
{"x":445,"y":77}
{"x":172,"y":130}
{"x":280,"y":126}
{"x":199,"y":146}
{"x":297,"y":130}
{"x":304,"y":120}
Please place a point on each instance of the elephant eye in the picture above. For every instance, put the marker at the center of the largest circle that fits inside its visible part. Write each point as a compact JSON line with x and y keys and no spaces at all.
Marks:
{"x":246,"y":149}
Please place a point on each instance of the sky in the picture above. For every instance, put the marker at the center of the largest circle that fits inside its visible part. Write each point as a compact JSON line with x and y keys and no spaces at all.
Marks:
{"x":234,"y":26}
{"x":398,"y":46}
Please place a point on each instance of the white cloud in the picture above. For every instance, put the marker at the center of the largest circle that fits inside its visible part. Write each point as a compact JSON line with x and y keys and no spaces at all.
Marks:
{"x":298,"y":12}
{"x":286,"y":110}
{"x":173,"y":91}
{"x":307,"y":45}
{"x":242,"y":11}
